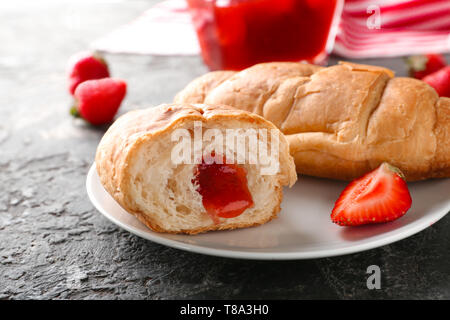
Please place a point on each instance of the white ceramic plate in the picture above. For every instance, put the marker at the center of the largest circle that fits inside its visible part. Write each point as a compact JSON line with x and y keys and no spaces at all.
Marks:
{"x":303,"y":229}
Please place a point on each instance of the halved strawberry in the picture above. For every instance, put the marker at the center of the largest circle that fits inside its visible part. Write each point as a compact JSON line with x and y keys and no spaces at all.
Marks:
{"x":379,"y":196}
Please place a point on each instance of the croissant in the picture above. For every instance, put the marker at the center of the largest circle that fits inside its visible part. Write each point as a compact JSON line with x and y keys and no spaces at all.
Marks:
{"x":136,"y":165}
{"x":341,"y":121}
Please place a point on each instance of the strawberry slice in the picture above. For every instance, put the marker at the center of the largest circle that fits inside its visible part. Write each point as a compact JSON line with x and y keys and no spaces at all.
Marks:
{"x":379,"y":196}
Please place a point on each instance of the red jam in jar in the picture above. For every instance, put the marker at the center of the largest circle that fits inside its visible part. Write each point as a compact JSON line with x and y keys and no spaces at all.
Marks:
{"x":235,"y":34}
{"x":223,"y":188}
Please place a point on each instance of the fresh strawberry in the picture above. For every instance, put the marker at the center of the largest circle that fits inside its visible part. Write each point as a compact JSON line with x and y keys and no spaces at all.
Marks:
{"x":440,"y":81}
{"x":379,"y":196}
{"x":422,"y":65}
{"x":97,"y":101}
{"x":86,"y":66}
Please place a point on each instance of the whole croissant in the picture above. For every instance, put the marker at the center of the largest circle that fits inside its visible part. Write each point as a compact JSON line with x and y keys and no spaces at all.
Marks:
{"x":341,"y":121}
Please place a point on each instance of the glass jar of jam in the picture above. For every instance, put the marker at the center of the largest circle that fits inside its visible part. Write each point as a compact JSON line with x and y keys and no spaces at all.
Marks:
{"x":235,"y":34}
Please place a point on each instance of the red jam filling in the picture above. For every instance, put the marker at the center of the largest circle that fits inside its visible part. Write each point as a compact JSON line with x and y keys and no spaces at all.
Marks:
{"x":223,"y":188}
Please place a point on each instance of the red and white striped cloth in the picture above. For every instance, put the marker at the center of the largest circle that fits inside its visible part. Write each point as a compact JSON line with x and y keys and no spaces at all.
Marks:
{"x":368,"y":28}
{"x":405,"y":27}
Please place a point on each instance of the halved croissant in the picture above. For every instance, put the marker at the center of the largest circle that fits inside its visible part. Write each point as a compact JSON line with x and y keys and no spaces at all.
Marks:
{"x":135,"y":165}
{"x":340,"y":121}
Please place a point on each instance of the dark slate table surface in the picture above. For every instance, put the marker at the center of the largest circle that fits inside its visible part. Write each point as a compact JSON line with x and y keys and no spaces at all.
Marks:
{"x":54,"y":244}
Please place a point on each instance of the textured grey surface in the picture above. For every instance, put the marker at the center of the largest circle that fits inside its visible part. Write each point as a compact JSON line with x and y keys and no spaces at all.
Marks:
{"x":54,"y":244}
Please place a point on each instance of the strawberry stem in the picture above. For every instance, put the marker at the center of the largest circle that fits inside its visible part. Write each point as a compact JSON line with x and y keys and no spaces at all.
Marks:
{"x":396,"y":170}
{"x":74,"y":112}
{"x":97,"y":55}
